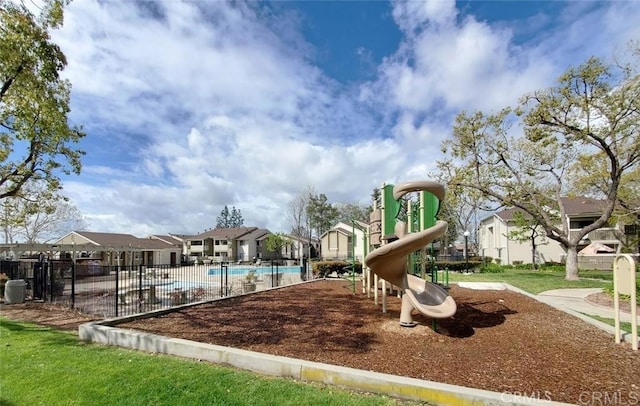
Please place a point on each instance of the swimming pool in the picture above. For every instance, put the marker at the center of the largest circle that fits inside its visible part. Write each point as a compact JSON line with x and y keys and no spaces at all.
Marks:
{"x":243,"y":270}
{"x":186,"y":285}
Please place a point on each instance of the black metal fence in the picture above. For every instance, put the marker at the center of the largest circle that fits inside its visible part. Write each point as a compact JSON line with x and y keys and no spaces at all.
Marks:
{"x":112,"y":291}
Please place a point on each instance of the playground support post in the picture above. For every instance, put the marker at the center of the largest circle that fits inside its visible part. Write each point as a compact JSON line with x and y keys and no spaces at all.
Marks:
{"x":466,"y":251}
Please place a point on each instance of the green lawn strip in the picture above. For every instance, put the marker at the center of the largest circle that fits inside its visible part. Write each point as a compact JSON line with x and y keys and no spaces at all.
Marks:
{"x":623,"y":324}
{"x":535,"y":281}
{"x":39,"y":365}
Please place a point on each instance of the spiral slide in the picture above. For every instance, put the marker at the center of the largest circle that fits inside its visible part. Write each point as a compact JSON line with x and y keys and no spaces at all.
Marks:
{"x":390,"y":263}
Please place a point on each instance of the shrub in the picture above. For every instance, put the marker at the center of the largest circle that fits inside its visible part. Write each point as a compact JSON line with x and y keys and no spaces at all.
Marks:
{"x":492,"y":268}
{"x":322,"y":269}
{"x":198,"y":293}
{"x":527,"y":266}
{"x":457,"y":266}
{"x":609,"y":291}
{"x":553,"y":267}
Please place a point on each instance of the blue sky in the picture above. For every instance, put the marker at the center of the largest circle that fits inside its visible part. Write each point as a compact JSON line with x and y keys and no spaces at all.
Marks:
{"x":189,"y":106}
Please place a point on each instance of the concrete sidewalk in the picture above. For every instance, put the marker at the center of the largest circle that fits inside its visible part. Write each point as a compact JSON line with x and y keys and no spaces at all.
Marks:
{"x":575,"y":299}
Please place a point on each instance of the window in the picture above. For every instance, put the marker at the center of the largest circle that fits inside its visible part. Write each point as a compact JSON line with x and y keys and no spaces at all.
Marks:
{"x":196,"y":242}
{"x":581,"y":223}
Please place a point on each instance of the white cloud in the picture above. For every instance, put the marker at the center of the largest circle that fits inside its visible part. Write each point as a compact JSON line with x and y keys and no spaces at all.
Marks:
{"x":456,"y":65}
{"x":218,"y":104}
{"x":412,"y":16}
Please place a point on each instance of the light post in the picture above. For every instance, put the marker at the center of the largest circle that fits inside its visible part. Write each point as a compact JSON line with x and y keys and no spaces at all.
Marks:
{"x":466,"y":251}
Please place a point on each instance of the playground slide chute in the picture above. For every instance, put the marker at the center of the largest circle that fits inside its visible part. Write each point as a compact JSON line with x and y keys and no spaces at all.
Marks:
{"x":389,"y":262}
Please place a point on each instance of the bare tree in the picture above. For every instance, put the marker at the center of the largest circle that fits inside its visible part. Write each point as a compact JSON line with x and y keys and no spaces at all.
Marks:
{"x":298,"y":219}
{"x":31,"y":218}
{"x":46,"y":227}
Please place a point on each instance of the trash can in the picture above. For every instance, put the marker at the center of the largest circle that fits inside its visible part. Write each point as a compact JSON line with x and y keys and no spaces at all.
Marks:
{"x":15,"y":291}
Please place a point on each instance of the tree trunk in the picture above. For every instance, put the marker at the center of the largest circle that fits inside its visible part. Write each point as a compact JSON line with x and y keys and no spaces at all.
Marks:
{"x":571,"y":273}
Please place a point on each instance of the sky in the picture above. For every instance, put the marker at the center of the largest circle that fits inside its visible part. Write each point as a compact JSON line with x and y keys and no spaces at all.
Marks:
{"x":191,"y":106}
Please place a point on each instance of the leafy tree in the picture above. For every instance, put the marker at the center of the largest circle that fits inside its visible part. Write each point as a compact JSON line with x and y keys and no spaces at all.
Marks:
{"x":527,"y":231}
{"x":376,"y":198}
{"x":229,"y":219}
{"x":36,"y":141}
{"x":352,"y":211}
{"x":590,"y":112}
{"x":448,"y":214}
{"x":322,"y":214}
{"x":236,"y":220}
{"x":627,"y":208}
{"x":223,"y":220}
{"x":460,"y":210}
{"x":275,"y":243}
{"x":595,"y":181}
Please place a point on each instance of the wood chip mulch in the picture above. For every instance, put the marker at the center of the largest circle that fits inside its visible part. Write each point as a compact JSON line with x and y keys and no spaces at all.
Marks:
{"x":498,"y":340}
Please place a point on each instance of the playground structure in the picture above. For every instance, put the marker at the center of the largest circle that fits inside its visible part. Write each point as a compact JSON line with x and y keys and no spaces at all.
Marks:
{"x":390,"y":259}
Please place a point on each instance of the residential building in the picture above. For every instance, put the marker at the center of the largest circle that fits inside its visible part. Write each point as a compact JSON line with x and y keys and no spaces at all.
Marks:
{"x":173,"y":239}
{"x":228,"y":244}
{"x":300,"y":247}
{"x":123,"y":249}
{"x":343,"y":241}
{"x":494,"y":231}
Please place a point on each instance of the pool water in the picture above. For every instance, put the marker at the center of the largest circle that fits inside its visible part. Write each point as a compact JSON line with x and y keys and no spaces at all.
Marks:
{"x":259,"y":270}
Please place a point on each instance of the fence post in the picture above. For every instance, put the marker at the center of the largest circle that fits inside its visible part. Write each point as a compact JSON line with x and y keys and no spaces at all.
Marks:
{"x":117,"y":285}
{"x":73,"y":284}
{"x":140,"y":297}
{"x":272,"y":273}
{"x":303,"y":269}
{"x":49,"y":280}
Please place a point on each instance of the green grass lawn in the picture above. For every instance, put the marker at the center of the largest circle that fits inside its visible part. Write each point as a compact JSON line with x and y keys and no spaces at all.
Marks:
{"x":623,"y":325}
{"x":41,"y":366}
{"x":537,"y":281}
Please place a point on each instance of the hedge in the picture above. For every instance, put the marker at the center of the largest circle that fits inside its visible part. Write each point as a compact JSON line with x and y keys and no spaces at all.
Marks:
{"x":458,"y":266}
{"x":322,"y":269}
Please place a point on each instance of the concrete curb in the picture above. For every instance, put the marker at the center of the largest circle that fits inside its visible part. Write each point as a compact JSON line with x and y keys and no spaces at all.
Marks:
{"x":396,"y":386}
